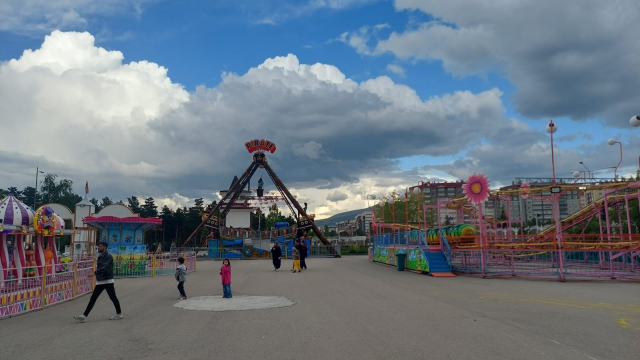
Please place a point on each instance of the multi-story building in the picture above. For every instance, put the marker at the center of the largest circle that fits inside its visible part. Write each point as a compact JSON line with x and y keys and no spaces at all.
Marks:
{"x":348,"y":226}
{"x":363,"y":221}
{"x":434,"y":191}
{"x":531,"y":208}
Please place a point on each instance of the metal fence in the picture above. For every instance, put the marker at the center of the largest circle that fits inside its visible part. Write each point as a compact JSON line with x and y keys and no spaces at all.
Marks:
{"x":41,"y":286}
{"x":251,"y":252}
{"x":565,"y":255}
{"x":153,"y":264}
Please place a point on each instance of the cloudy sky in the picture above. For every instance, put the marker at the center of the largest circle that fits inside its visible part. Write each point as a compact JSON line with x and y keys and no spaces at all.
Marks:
{"x":157,"y":98}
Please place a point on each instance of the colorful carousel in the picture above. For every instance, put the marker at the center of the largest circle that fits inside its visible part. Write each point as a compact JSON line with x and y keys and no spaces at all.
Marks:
{"x":126,"y":242}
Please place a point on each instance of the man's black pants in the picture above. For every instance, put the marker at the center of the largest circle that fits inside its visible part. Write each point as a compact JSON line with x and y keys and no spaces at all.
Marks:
{"x":111,"y":291}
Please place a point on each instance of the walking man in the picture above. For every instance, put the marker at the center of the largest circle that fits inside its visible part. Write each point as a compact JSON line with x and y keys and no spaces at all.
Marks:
{"x":104,"y":281}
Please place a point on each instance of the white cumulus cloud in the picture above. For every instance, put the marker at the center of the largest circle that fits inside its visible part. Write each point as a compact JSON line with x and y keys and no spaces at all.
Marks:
{"x":84,"y":113}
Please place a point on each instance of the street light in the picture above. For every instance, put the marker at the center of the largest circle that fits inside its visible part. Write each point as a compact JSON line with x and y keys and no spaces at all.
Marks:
{"x":635,"y":122}
{"x":589,"y":171}
{"x":35,"y":192}
{"x":551,"y":128}
{"x":613,"y":142}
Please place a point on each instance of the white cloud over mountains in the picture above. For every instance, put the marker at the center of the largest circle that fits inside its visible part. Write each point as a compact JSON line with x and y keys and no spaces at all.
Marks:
{"x":576,"y":59}
{"x":81,"y":112}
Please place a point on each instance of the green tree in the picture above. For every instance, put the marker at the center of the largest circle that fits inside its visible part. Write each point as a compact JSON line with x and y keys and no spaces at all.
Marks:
{"x":289,"y":220}
{"x":106,"y":202}
{"x":326,"y":229}
{"x":27,"y":195}
{"x":273,"y":217}
{"x":149,"y":209}
{"x":134,"y":204}
{"x":61,"y":192}
{"x":96,"y":204}
{"x":14,"y":190}
{"x":258,"y":219}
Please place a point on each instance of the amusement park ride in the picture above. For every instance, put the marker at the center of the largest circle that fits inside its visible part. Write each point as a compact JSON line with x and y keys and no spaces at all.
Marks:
{"x":305,"y":221}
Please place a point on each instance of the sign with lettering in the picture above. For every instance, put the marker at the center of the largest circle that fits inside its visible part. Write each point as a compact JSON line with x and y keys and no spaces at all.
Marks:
{"x":260,"y":144}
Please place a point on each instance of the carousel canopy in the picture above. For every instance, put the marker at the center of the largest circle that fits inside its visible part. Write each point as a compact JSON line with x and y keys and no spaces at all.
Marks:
{"x":13,"y":212}
{"x":133,"y":222}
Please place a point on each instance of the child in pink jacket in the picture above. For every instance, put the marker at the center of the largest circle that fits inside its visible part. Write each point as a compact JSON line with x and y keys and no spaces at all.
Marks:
{"x":225,"y":273}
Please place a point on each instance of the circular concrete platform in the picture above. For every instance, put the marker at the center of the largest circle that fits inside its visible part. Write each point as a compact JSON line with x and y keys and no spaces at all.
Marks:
{"x":218,"y":303}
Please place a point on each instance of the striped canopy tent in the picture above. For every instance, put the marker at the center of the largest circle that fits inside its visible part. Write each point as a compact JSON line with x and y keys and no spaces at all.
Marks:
{"x":14,"y":214}
{"x":14,"y":217}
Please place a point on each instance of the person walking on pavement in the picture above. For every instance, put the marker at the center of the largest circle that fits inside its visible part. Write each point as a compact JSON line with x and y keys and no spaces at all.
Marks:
{"x":303,"y":253}
{"x":104,"y":281}
{"x":276,"y":254}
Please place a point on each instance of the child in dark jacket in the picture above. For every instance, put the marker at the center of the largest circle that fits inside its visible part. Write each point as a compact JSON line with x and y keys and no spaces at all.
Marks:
{"x":181,"y":277}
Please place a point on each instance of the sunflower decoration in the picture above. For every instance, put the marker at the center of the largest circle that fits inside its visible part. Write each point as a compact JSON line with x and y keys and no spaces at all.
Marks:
{"x":476,"y":188}
{"x":524,"y":190}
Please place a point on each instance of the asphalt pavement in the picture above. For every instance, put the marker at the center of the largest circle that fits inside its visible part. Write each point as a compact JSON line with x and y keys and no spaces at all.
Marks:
{"x":346,"y":308}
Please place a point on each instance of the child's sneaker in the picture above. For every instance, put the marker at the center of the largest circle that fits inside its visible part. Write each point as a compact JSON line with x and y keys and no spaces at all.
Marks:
{"x":184,"y":298}
{"x":116,"y":317}
{"x":80,"y":318}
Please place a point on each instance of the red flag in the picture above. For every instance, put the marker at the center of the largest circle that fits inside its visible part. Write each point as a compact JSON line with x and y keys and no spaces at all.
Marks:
{"x":86,"y":188}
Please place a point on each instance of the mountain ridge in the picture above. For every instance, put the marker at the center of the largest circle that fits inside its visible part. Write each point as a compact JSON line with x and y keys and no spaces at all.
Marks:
{"x":347,"y":215}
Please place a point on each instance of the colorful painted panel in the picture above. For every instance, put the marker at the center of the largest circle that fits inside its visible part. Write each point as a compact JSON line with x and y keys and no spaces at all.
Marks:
{"x":415,"y":258}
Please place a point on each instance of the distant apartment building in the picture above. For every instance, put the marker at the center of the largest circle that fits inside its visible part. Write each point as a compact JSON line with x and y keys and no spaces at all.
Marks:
{"x":347,"y":226}
{"x":431,"y":192}
{"x":531,"y":208}
{"x":363,"y":221}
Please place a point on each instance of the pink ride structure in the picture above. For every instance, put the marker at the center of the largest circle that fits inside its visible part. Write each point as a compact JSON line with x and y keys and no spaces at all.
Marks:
{"x":500,"y":248}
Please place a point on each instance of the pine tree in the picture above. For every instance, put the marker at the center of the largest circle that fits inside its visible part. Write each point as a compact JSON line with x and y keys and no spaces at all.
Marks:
{"x":134,"y":204}
{"x":149,"y":209}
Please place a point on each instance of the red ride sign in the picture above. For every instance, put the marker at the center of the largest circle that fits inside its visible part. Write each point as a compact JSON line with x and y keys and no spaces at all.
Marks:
{"x":262,"y":144}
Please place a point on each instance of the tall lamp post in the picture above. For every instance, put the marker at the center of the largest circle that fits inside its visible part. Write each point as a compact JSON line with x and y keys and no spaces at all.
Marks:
{"x":635,"y":122}
{"x":613,"y":142}
{"x":391,"y":202}
{"x":552,"y":128}
{"x":589,"y":171}
{"x":35,"y":192}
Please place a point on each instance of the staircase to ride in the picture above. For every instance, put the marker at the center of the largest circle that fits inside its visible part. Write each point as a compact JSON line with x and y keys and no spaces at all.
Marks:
{"x":436,"y":256}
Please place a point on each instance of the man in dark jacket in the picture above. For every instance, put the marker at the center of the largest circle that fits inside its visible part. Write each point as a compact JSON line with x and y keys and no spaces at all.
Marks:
{"x":104,"y":281}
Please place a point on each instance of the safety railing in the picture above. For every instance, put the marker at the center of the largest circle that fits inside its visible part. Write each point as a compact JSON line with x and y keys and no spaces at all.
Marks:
{"x":151,"y":265}
{"x":579,"y":255}
{"x":446,"y":249}
{"x":42,"y":286}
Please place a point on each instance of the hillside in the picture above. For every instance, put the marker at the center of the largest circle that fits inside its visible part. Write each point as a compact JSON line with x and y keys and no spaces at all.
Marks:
{"x":349,"y":215}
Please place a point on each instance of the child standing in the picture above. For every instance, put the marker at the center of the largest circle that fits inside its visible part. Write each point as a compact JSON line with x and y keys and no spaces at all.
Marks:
{"x":181,"y":277}
{"x":296,"y":256}
{"x":225,"y":273}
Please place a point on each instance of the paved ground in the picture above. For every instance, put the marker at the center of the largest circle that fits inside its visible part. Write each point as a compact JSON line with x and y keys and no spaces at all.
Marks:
{"x":345,"y":308}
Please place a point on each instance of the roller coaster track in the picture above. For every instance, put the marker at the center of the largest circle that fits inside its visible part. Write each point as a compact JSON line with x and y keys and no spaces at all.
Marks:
{"x":582,"y":215}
